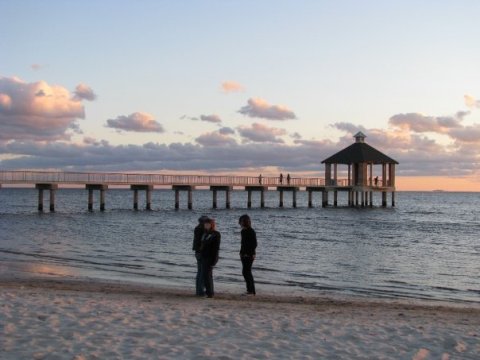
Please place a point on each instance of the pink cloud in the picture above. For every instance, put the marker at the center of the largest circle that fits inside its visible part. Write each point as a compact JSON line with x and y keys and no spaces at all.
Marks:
{"x":37,"y":111}
{"x":137,"y":122}
{"x":84,"y":92}
{"x":231,"y":86}
{"x":261,"y":133}
{"x":259,"y":108}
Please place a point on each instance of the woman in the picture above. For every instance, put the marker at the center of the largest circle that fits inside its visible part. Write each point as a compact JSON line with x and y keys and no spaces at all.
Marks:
{"x":198,"y":234}
{"x":247,"y":251}
{"x":209,"y":254}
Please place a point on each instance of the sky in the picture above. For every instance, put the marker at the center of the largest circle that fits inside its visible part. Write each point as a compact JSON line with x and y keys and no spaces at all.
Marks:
{"x":241,"y":87}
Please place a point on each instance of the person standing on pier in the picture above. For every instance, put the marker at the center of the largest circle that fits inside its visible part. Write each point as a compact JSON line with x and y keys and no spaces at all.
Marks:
{"x":260,"y":179}
{"x":288,"y":179}
{"x":198,"y":234}
{"x":209,"y":254}
{"x":247,"y":251}
{"x":281,"y":178}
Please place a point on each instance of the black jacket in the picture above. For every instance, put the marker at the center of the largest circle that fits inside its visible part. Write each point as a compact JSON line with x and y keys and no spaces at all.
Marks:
{"x":249,"y":242}
{"x":197,"y":237}
{"x":211,"y":247}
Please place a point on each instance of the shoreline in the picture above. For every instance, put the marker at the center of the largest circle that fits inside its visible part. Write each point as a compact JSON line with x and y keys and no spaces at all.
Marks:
{"x":91,"y":285}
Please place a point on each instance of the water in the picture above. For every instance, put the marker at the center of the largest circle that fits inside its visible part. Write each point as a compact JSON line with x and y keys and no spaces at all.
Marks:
{"x":426,"y":248}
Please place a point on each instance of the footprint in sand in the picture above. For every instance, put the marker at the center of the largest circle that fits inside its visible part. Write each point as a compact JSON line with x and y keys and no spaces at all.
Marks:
{"x":461,"y":346}
{"x":421,"y":354}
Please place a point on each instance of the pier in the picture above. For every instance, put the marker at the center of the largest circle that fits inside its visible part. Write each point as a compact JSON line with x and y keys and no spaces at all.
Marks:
{"x":147,"y":183}
{"x":363,"y":179}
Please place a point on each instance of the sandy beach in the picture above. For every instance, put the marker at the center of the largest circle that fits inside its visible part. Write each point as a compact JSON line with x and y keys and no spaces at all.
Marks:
{"x":49,"y":319}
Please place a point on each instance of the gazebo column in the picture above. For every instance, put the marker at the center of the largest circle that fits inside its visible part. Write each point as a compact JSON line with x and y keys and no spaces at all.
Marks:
{"x":262,"y":198}
{"x":328,"y":174}
{"x":393,"y":198}
{"x":280,"y":204}
{"x":384,"y":198}
{"x":371,"y":175}
{"x":335,"y":174}
{"x":363,"y":199}
{"x":310,"y":202}
{"x":349,"y":176}
{"x":249,"y":199}
{"x":371,"y":198}
{"x":335,"y":198}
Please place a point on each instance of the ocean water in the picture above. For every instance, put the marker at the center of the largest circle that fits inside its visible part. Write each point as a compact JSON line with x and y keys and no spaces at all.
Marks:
{"x":427,"y":247}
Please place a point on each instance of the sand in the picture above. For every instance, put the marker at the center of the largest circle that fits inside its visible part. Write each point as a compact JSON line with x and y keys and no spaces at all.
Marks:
{"x":89,"y":320}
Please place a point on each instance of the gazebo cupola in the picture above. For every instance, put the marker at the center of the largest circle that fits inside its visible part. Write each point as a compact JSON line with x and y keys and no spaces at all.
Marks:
{"x":361,"y":159}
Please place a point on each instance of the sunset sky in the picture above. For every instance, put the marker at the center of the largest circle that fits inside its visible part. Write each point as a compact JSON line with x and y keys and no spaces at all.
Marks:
{"x":241,"y":86}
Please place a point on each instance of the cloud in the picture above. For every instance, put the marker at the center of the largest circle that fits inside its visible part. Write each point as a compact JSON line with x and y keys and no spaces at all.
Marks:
{"x":296,"y":136}
{"x":215,"y":139}
{"x":259,"y":108}
{"x":231,"y":87}
{"x":226,"y":131}
{"x":37,"y":111}
{"x":137,"y":122}
{"x":211,"y":118}
{"x":467,"y":134}
{"x":84,"y":92}
{"x":261,"y":133}
{"x":420,"y":123}
{"x":36,"y":67}
{"x":471,"y":102}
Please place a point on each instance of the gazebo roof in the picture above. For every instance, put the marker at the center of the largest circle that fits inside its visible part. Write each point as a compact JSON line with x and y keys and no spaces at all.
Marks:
{"x":359,"y":152}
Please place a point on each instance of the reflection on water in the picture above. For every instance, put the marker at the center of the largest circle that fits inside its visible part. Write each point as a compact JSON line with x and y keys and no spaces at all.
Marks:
{"x":427,"y":247}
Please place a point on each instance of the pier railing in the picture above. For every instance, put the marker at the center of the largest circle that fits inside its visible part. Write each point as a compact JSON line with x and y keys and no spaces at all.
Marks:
{"x":79,"y":178}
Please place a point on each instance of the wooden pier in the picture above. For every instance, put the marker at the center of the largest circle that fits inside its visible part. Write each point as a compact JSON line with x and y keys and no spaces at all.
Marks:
{"x":101,"y":182}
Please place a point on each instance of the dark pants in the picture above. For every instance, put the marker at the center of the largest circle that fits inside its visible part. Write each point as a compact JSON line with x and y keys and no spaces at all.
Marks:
{"x":200,"y":284}
{"x":247,"y":262}
{"x":207,"y":272}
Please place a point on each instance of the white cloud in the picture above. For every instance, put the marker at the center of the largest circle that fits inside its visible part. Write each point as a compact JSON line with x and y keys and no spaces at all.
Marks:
{"x":259,"y":108}
{"x":136,"y":122}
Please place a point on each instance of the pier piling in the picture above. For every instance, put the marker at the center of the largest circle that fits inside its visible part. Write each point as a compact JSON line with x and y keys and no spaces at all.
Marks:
{"x":215,"y":189}
{"x":148,"y":195}
{"x":49,"y":187}
{"x":189,"y":189}
{"x":102,"y":188}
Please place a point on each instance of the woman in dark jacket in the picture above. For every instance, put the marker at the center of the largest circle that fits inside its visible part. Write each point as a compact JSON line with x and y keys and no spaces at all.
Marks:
{"x":209,"y":253}
{"x":247,"y":251}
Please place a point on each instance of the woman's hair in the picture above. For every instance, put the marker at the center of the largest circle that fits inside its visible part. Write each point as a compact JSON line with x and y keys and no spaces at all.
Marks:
{"x":245,"y":221}
{"x":212,"y":223}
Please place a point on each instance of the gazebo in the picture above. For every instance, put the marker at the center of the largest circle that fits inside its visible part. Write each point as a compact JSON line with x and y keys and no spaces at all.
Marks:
{"x":362,"y":181}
